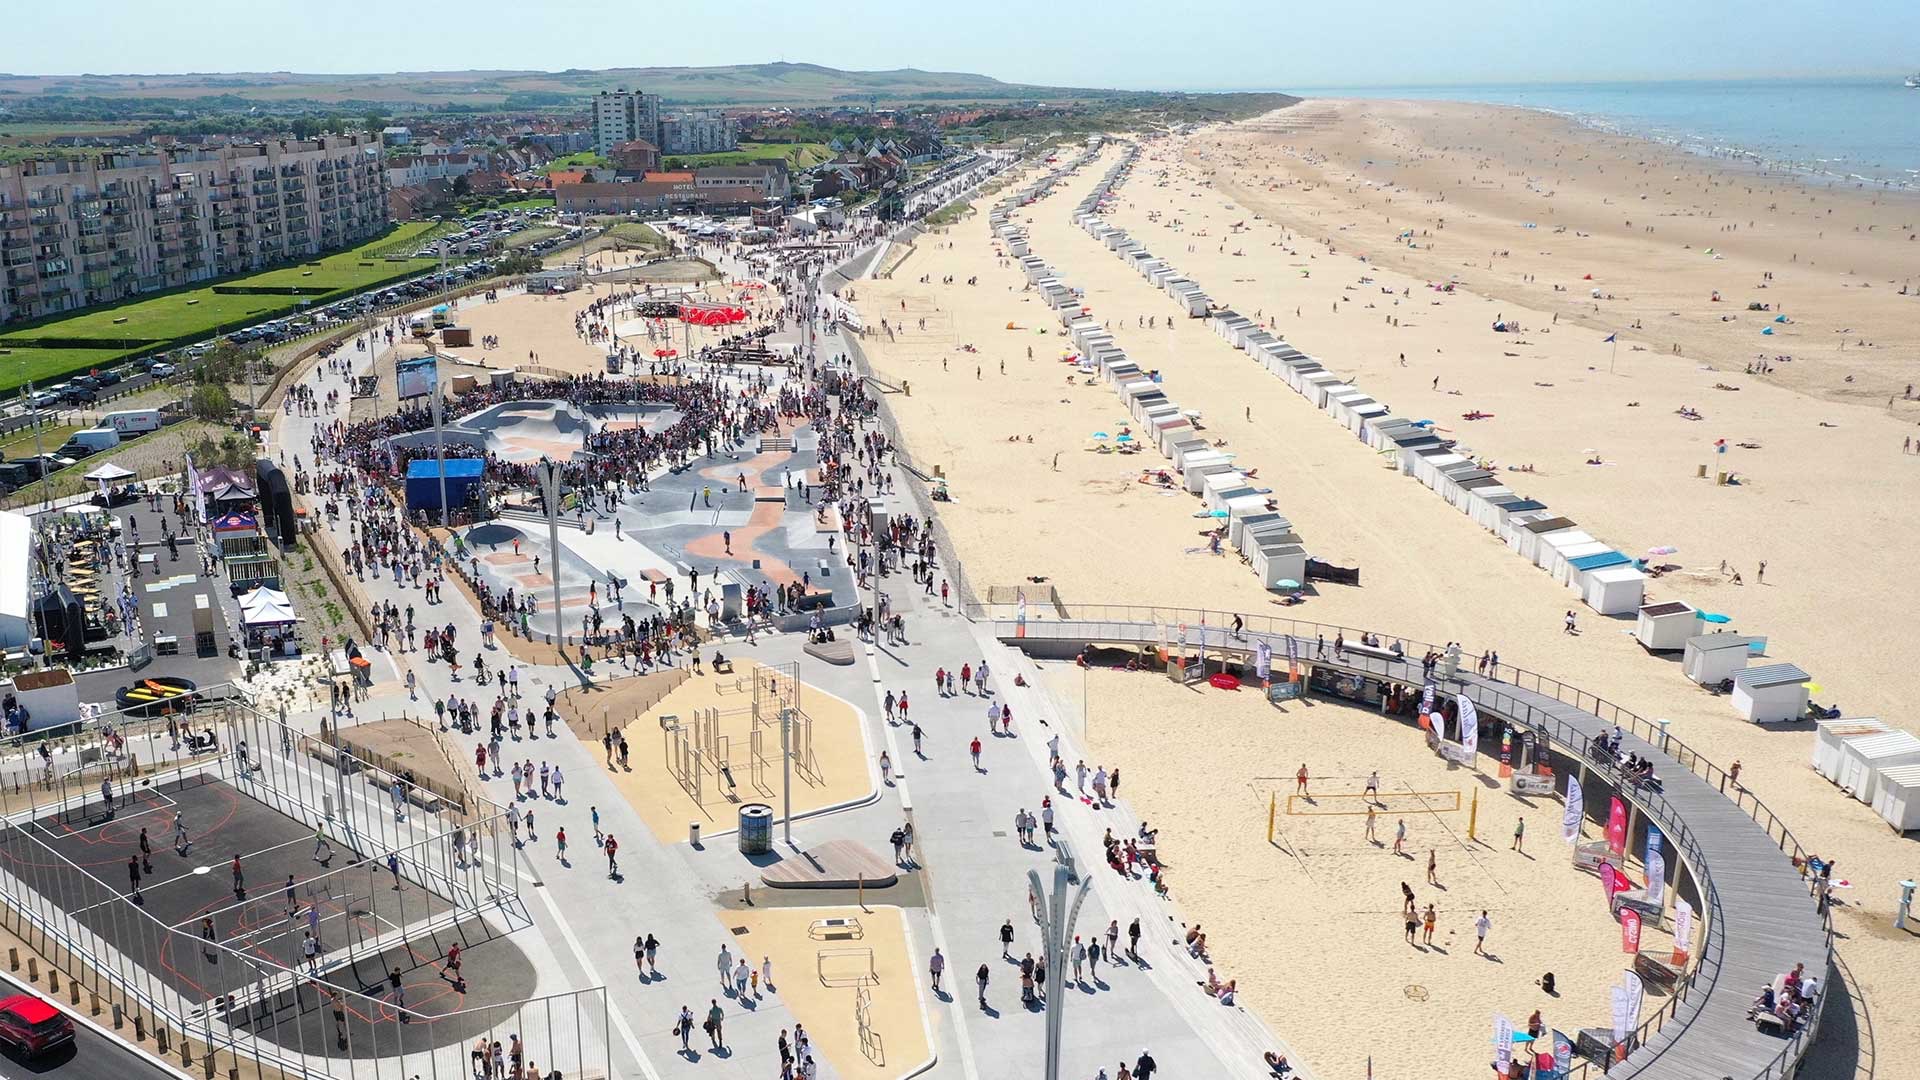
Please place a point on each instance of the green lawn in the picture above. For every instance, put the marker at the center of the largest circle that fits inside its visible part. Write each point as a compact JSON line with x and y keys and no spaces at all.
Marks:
{"x":20,"y":443}
{"x":534,"y":202}
{"x":637,"y":233}
{"x":139,"y":326}
{"x":585,"y":159}
{"x":796,"y":155}
{"x":532,"y":235}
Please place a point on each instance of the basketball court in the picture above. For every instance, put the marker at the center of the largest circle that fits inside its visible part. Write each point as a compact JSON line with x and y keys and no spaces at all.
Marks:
{"x":229,"y":944}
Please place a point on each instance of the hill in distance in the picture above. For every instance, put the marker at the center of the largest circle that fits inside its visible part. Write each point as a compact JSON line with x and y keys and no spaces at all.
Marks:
{"x":776,"y":84}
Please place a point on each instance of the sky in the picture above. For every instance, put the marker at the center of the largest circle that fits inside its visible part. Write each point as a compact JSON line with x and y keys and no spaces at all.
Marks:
{"x":1131,"y":44}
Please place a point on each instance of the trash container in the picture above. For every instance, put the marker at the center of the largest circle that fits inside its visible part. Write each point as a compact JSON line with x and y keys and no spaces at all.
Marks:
{"x":693,"y":833}
{"x":756,"y":829}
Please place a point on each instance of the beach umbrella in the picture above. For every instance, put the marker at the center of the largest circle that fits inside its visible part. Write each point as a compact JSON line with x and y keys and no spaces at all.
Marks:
{"x":1216,"y":513}
{"x":1287,"y":583}
{"x":1124,"y":438}
{"x":1814,"y":688}
{"x":1768,"y":331}
{"x":1780,"y":318}
{"x":1101,"y":435}
{"x":1714,"y":617}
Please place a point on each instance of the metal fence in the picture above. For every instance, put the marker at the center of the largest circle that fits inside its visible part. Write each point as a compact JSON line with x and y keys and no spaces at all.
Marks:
{"x":1190,"y":627}
{"x":469,"y":872}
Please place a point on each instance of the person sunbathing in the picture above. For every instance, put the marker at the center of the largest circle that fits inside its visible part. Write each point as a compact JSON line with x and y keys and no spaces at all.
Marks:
{"x":1213,"y":985}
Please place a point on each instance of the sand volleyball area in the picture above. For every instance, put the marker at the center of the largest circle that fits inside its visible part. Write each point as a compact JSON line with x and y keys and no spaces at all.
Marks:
{"x":1821,"y":492}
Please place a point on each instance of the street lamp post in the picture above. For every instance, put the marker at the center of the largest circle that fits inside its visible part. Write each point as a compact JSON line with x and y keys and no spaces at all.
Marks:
{"x":1056,"y":918}
{"x":439,"y":449}
{"x":548,"y":473}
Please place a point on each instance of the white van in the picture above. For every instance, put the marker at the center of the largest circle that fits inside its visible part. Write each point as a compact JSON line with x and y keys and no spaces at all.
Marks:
{"x":132,"y":421}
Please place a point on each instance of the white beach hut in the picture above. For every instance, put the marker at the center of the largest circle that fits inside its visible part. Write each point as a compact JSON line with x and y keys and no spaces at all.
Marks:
{"x":1666,"y":627}
{"x":1864,"y":759}
{"x":1615,"y":590}
{"x":1277,"y":562}
{"x":1239,"y":525}
{"x":1830,"y":738}
{"x":1709,"y":658}
{"x":1897,"y":797}
{"x":1770,"y":693}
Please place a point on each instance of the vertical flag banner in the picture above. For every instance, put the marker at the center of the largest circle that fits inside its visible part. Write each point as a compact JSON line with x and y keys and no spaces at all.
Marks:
{"x":1506,"y":752}
{"x":1656,"y":863}
{"x":1502,"y":1044}
{"x":1629,"y":931}
{"x":1562,"y":1052}
{"x":1617,"y":827}
{"x":1609,"y":877}
{"x":1682,"y":932}
{"x":1570,"y":822}
{"x":1636,"y":994}
{"x":1618,"y":997}
{"x":1469,"y":727}
{"x":1262,"y":660}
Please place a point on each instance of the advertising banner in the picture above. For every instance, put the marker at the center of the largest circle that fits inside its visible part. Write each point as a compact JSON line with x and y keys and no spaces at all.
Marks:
{"x":416,"y":378}
{"x":1570,"y":821}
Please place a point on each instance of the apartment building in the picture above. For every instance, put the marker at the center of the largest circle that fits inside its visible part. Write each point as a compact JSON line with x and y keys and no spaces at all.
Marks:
{"x":624,"y":115}
{"x":698,"y":133}
{"x":74,"y":233}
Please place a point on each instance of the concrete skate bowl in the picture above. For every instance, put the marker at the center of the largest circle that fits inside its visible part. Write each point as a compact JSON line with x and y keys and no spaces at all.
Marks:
{"x":649,"y":416}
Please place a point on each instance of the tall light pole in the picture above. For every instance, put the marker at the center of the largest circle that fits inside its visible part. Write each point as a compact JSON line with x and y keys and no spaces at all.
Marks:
{"x":1056,"y":919}
{"x":439,"y":444}
{"x":548,"y":474}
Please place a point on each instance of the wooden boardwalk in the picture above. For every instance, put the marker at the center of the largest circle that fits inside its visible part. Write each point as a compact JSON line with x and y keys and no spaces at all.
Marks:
{"x":1760,"y":919}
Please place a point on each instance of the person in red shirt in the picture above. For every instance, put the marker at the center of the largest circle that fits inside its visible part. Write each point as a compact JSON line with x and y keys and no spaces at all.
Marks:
{"x":612,"y":845}
{"x":975,"y":750}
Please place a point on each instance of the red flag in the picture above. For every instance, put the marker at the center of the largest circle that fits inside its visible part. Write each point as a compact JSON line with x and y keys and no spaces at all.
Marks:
{"x":1629,"y":930}
{"x":1617,"y":827}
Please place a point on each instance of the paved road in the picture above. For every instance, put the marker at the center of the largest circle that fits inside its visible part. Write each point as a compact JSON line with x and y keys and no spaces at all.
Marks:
{"x":94,"y":1056}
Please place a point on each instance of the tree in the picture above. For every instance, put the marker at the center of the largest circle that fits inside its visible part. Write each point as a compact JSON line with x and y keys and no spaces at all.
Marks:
{"x":375,"y":123}
{"x":225,"y":363}
{"x":518,"y":262}
{"x":210,"y":401}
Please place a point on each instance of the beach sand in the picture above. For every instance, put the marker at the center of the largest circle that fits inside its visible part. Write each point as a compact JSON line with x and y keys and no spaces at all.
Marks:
{"x":1820,"y":504}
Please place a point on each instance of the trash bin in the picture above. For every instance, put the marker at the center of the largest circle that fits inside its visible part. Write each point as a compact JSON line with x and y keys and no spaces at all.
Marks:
{"x":693,"y":833}
{"x":756,"y":829}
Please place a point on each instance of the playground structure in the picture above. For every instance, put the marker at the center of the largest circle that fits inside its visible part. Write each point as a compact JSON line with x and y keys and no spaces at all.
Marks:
{"x":870,"y":1042}
{"x":700,"y":754}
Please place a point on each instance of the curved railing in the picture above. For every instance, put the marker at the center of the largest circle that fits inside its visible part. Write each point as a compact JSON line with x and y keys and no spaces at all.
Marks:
{"x":1215,"y":629}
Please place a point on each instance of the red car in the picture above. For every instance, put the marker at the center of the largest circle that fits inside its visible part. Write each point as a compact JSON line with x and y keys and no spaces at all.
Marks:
{"x":31,"y":1027}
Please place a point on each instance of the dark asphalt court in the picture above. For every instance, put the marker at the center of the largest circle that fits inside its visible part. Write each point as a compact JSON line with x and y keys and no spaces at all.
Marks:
{"x":353,"y":900}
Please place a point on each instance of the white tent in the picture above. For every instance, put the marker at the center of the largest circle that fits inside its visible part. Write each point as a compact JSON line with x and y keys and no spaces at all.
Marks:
{"x":16,"y":608}
{"x":1898,"y":800}
{"x":1830,"y":739}
{"x":1865,"y":758}
{"x":266,"y":607}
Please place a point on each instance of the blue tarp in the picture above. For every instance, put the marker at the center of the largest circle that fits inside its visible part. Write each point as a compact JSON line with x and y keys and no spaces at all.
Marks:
{"x":1599,"y":562}
{"x":423,"y":482}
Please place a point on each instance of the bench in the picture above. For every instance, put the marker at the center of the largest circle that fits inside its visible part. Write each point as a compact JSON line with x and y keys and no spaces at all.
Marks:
{"x":1374,"y":651}
{"x":847,"y":929}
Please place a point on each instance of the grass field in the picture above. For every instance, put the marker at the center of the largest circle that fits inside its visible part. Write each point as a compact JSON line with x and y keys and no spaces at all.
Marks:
{"x":639,"y":234}
{"x":532,"y":235}
{"x":20,"y":443}
{"x":585,"y":159}
{"x":406,"y":240}
{"x":187,"y":315}
{"x":796,"y":155}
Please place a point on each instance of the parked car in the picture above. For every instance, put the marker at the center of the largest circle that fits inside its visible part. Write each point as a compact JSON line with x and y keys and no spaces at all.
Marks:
{"x":162,"y":370}
{"x":32,"y":1027}
{"x":107,"y":378}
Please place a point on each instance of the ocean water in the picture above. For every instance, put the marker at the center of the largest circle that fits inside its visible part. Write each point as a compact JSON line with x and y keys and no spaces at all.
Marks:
{"x":1860,"y":129}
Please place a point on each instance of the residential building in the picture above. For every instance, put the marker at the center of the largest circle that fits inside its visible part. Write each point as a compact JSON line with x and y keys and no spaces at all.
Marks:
{"x":636,"y":156}
{"x":74,"y":233}
{"x":623,"y":116}
{"x":413,"y":170}
{"x":396,"y":136}
{"x":657,"y":193}
{"x":698,"y":133}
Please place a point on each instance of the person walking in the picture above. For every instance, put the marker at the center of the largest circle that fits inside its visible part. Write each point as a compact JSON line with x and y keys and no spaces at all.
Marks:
{"x":974,"y":749}
{"x":1433,"y":867}
{"x":1519,"y":836}
{"x":935,"y":967}
{"x":1430,"y":920}
{"x":980,"y":980}
{"x":1373,"y":786}
{"x":1133,"y":940}
{"x":715,"y":1018}
{"x":1371,"y":814}
{"x":612,"y":848}
{"x":1079,"y":957}
{"x":560,"y":844}
{"x":684,"y":1028}
{"x":1400,"y":836}
{"x":1300,"y":781}
{"x":725,"y":964}
{"x":1006,"y":940}
{"x":133,"y":877}
{"x":1480,"y":927}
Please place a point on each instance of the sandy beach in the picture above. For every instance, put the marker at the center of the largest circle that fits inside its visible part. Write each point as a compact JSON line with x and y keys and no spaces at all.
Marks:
{"x":1817,"y":503}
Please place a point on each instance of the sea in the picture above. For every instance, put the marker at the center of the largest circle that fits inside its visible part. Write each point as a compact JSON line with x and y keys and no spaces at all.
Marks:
{"x":1858,"y":129}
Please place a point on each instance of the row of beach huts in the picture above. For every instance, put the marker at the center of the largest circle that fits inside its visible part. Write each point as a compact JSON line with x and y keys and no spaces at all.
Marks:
{"x":1265,"y":537}
{"x":1606,"y":579}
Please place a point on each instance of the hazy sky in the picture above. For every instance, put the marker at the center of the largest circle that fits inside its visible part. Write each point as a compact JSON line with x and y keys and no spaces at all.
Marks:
{"x":1148,"y":44}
